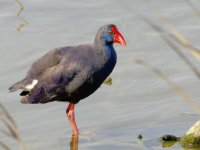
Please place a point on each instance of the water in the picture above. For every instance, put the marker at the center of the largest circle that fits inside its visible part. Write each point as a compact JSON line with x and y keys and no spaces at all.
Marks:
{"x":138,"y":102}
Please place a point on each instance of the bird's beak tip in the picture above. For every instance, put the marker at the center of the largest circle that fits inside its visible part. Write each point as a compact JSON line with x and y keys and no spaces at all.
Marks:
{"x":118,"y":38}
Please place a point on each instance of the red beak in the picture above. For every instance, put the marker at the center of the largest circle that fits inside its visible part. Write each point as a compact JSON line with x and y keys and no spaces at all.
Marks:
{"x":118,"y":38}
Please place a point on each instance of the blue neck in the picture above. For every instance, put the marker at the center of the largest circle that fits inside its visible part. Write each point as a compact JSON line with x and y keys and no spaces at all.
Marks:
{"x":107,"y":50}
{"x":110,"y":57}
{"x":110,"y":53}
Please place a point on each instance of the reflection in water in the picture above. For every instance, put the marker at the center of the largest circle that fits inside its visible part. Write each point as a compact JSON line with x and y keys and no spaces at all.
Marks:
{"x":168,"y":144}
{"x":74,"y":142}
{"x":23,"y":21}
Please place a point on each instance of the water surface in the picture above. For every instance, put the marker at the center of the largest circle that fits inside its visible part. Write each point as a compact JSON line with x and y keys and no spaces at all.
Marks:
{"x":138,"y":102}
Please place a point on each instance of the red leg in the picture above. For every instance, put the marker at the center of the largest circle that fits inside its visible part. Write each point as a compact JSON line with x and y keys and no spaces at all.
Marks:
{"x":71,"y":117}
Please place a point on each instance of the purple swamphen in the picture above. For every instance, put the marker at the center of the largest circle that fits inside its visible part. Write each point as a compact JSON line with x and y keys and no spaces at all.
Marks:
{"x":71,"y":73}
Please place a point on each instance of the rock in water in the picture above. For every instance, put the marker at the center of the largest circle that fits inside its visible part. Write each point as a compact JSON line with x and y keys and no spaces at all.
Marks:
{"x":192,"y":136}
{"x":195,"y":129}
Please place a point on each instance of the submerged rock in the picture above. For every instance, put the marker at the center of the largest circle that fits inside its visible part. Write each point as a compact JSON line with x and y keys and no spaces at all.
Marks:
{"x":190,"y":141}
{"x":140,"y":137}
{"x":169,"y":137}
{"x":168,"y":140}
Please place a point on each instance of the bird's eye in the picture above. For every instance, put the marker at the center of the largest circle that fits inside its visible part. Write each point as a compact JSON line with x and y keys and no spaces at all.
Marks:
{"x":111,"y":32}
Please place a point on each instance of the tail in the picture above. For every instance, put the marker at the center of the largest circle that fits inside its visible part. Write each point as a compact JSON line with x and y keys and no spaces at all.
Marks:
{"x":37,"y":95}
{"x":25,"y":99}
{"x":19,"y":85}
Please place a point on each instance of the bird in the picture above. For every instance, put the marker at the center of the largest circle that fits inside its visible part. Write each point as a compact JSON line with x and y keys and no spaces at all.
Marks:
{"x":71,"y":73}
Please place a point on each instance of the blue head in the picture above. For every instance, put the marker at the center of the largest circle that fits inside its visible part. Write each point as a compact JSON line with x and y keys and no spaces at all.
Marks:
{"x":109,"y":34}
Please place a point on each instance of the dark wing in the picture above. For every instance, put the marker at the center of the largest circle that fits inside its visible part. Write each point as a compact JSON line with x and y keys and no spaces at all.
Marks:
{"x":54,"y":82}
{"x":63,"y":79}
{"x":50,"y":59}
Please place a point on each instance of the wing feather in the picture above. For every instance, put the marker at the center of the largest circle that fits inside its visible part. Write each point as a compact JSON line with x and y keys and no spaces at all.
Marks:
{"x":50,"y":59}
{"x":52,"y":84}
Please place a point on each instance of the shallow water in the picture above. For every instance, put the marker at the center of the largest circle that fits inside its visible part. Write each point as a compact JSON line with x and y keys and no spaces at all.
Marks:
{"x":138,"y":102}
